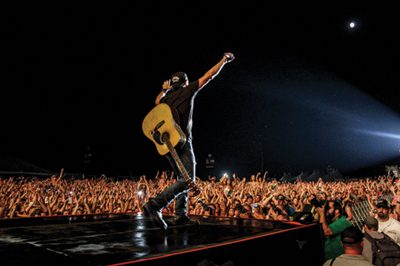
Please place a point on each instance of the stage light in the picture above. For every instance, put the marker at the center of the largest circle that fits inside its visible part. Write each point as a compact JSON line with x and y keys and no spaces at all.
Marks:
{"x":338,"y":125}
{"x":381,"y":134}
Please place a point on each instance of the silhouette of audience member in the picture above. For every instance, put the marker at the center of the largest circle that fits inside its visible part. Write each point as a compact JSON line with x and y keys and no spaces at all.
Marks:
{"x":370,"y":227}
{"x":351,"y":239}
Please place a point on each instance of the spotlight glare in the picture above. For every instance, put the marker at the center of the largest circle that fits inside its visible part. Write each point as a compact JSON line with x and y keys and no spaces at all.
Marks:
{"x":381,"y":134}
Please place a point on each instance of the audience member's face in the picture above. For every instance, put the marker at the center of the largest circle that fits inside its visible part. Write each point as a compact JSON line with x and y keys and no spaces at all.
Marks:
{"x":249,"y":200}
{"x":257,"y":210}
{"x":321,"y":196}
{"x":383,"y":213}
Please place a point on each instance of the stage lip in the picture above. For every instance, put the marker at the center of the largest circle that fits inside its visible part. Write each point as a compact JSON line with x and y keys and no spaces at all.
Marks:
{"x":230,"y":242}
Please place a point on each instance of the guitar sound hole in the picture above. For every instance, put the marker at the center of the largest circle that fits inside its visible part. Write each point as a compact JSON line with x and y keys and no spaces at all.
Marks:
{"x":165,"y":137}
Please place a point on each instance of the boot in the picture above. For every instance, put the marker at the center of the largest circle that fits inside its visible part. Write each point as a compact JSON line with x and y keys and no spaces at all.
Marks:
{"x":151,"y":211}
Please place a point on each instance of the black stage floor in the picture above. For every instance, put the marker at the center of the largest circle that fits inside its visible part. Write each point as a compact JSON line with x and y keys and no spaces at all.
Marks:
{"x":128,"y":239}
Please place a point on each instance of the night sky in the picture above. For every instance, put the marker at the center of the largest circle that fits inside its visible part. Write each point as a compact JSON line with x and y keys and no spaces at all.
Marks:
{"x":305,"y":91}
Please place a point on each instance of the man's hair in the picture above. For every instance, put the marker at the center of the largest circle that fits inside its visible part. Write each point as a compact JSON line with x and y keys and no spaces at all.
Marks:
{"x":178,"y":79}
{"x":371,"y":222}
{"x":351,"y":235}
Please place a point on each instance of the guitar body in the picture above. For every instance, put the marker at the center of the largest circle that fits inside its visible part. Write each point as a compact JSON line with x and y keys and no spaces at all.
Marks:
{"x":160,"y":119}
{"x":160,"y":127}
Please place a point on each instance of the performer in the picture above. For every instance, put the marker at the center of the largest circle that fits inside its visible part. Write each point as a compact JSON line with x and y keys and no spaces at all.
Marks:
{"x":179,"y":94}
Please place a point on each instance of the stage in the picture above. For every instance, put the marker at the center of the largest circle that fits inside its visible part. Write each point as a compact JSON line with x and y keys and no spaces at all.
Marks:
{"x":130,"y":239}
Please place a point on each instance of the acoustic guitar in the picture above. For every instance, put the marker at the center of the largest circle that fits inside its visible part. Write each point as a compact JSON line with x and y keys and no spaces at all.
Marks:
{"x":160,"y":127}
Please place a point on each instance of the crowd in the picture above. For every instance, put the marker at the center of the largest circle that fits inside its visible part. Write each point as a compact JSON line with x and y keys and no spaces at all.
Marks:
{"x":253,"y":197}
{"x":257,"y":196}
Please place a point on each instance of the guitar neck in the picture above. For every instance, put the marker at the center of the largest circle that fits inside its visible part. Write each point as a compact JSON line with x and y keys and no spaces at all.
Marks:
{"x":178,"y":161}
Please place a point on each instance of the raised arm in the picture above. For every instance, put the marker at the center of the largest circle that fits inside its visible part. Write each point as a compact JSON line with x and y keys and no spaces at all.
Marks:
{"x":166,"y":86}
{"x":210,"y":74}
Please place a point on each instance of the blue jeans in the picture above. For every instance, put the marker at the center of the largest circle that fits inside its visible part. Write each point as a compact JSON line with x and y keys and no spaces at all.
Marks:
{"x":178,"y":190}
